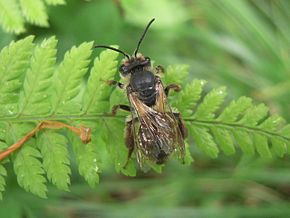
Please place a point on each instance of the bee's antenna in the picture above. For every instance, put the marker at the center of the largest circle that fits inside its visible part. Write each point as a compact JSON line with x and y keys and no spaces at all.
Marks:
{"x":142,"y":37}
{"x":114,"y":49}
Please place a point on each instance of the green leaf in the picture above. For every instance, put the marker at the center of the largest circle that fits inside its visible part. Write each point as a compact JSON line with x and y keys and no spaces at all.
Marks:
{"x":254,"y":115}
{"x":96,"y":96}
{"x":34,"y":12}
{"x":29,"y":170}
{"x":204,"y":140}
{"x":55,"y":157}
{"x":187,"y":99}
{"x":14,"y":61}
{"x":116,"y":146}
{"x":244,"y":141}
{"x":224,"y":139}
{"x":272,"y":123}
{"x":3,"y":174}
{"x":38,"y":79}
{"x":262,"y":145}
{"x":279,"y":146}
{"x":69,"y":78}
{"x":10,"y":16}
{"x":88,"y":157}
{"x":235,"y":109}
{"x":188,"y":159}
{"x":176,"y":74}
{"x":210,"y":104}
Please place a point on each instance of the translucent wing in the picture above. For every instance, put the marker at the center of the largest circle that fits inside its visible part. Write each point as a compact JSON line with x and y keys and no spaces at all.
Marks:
{"x":158,"y":133}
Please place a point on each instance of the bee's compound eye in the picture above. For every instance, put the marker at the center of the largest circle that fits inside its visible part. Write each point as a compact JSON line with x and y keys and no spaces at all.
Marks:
{"x":123,"y":70}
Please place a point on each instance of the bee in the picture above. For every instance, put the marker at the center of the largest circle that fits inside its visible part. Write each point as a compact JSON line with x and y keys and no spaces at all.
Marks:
{"x":153,"y":131}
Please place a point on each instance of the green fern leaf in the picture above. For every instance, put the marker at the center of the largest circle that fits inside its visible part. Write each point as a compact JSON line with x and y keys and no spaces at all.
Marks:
{"x":34,"y":12}
{"x":272,"y":123}
{"x":244,"y":141}
{"x":186,"y":100}
{"x":3,"y":172}
{"x":88,"y":156}
{"x":55,"y":158}
{"x":26,"y":163}
{"x":210,"y":104}
{"x":96,"y":96}
{"x":188,"y":159}
{"x":204,"y":140}
{"x":14,"y":61}
{"x":254,"y":114}
{"x":116,"y":146}
{"x":176,"y":74}
{"x":29,"y":170}
{"x":38,"y":79}
{"x":235,"y":109}
{"x":261,"y":143}
{"x":224,"y":139}
{"x":69,"y":79}
{"x":285,"y":131}
{"x":55,"y":2}
{"x":10,"y":16}
{"x":279,"y":146}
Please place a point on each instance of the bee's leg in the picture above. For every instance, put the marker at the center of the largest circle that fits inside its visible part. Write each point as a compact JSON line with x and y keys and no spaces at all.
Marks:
{"x":116,"y":107}
{"x":115,"y":83}
{"x":181,"y":125}
{"x":129,"y":140}
{"x":159,"y":70}
{"x":173,"y":86}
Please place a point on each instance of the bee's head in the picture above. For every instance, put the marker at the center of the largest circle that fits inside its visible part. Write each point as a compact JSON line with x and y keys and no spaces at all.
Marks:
{"x":131,"y":63}
{"x":134,"y":64}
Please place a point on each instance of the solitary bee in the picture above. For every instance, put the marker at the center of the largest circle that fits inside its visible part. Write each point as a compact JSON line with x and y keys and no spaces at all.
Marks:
{"x":153,"y":130}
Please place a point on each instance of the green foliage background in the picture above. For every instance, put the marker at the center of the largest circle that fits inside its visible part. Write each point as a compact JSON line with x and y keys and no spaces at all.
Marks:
{"x":243,"y":45}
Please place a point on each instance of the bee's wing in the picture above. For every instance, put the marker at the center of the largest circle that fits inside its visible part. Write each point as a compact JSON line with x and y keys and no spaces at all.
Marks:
{"x":163,"y":106}
{"x":159,"y":127}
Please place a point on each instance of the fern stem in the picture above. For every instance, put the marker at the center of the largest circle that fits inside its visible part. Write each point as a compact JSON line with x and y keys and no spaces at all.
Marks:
{"x":205,"y":123}
{"x":230,"y":126}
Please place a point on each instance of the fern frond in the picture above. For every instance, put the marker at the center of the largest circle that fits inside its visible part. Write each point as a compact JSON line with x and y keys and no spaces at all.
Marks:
{"x":34,"y":12}
{"x":96,"y":97}
{"x":14,"y":60}
{"x":210,"y":104}
{"x":235,"y":109}
{"x":69,"y":78}
{"x":3,"y":172}
{"x":176,"y":74}
{"x":29,"y":171}
{"x":254,"y":114}
{"x":10,"y":16}
{"x":187,"y":99}
{"x":13,"y":13}
{"x":38,"y":79}
{"x":26,"y":163}
{"x":55,"y":155}
{"x":241,"y":123}
{"x":116,"y":146}
{"x":33,"y":89}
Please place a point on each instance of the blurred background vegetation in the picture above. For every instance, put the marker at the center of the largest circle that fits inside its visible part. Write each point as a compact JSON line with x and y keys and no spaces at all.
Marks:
{"x":244,"y":45}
